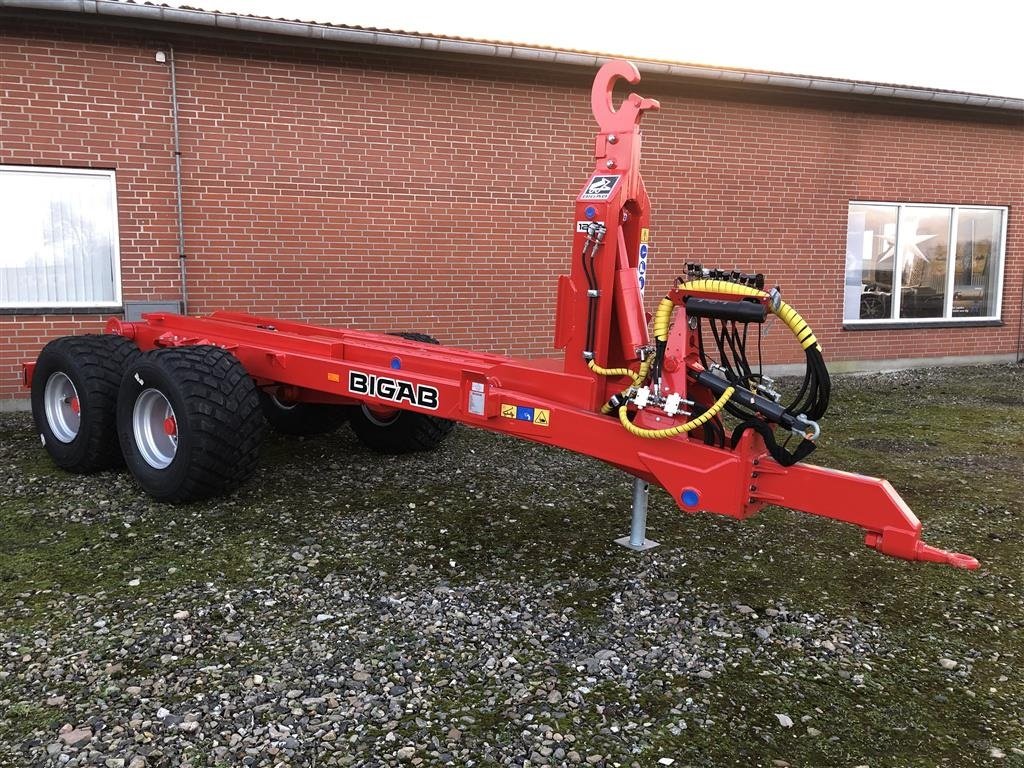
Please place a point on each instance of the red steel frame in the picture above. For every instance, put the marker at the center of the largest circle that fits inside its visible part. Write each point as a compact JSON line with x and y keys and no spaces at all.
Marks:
{"x":558,"y":402}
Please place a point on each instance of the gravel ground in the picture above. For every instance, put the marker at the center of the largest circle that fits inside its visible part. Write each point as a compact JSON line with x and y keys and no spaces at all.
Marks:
{"x":468,"y":607}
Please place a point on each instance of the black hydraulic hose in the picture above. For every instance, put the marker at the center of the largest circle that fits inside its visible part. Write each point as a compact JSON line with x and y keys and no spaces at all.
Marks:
{"x":592,"y":300}
{"x":700,"y":344}
{"x":723,"y":357}
{"x":793,"y":407}
{"x":714,"y":433}
{"x":659,"y":358}
{"x":730,"y":337}
{"x":595,"y":237}
{"x":729,"y":365}
{"x":812,"y":399}
{"x":760,"y":360}
{"x":814,"y":395}
{"x":778,"y":452}
{"x":741,"y":347}
{"x":824,"y":386}
{"x":736,"y":363}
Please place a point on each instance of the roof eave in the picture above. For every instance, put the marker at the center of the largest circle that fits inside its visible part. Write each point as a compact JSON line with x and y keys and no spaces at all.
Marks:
{"x":326,"y":33}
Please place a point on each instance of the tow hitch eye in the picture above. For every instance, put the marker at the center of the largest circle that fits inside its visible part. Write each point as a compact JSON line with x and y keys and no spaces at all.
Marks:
{"x":901,"y":543}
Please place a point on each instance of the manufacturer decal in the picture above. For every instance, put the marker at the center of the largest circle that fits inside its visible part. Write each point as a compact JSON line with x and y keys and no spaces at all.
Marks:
{"x":581,"y":226}
{"x":600,"y":187}
{"x":476,"y":398}
{"x":395,"y":390}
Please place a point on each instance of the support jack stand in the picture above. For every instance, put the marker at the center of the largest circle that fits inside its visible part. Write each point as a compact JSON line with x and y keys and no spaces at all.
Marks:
{"x":637,"y":539}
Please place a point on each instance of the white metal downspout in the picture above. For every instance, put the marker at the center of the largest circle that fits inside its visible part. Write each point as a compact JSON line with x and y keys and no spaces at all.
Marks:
{"x":177,"y":181}
{"x":1020,"y":319}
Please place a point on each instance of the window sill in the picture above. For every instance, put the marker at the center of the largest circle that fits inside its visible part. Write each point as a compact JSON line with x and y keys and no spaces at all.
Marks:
{"x":85,"y":310}
{"x":904,"y":325}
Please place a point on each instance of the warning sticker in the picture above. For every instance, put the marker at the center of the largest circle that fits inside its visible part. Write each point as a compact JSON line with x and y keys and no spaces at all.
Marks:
{"x":600,"y":187}
{"x":583,"y":226}
{"x":645,"y":235}
{"x":539,"y":416}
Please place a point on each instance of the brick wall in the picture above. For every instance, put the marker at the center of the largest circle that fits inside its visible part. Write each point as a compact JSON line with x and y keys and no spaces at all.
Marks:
{"x":391,"y":193}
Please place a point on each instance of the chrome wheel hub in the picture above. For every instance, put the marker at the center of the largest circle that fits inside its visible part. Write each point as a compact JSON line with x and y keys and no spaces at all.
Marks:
{"x":62,"y":407}
{"x":156,"y":428}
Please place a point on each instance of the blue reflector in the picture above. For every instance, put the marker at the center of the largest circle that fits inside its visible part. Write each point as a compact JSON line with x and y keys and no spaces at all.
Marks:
{"x":690,"y":497}
{"x":590,"y":212}
{"x":396,"y":363}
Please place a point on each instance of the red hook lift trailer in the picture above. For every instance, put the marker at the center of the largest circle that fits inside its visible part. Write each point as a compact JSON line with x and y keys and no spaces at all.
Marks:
{"x":184,"y":401}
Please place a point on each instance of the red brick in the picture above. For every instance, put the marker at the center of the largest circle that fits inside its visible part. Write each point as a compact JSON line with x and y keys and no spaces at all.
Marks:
{"x":392,"y":193}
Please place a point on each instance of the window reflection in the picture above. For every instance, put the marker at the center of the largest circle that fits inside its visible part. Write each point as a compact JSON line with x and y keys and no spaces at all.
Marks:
{"x":974,"y":278}
{"x":923,"y":251}
{"x":901,"y":264}
{"x":871,"y":230}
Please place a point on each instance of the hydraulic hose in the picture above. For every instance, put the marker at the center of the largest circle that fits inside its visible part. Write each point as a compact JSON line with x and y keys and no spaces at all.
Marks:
{"x":813,"y":397}
{"x":784,"y":312}
{"x":663,"y":319}
{"x":638,"y":378}
{"x":634,"y":375}
{"x":657,"y":434}
{"x":661,"y":325}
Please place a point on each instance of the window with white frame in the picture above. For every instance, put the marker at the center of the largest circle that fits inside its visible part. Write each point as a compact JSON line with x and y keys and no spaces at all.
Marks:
{"x":58,"y":238}
{"x":910,"y":262}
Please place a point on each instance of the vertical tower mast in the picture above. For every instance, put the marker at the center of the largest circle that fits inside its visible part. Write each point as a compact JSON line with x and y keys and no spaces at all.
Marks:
{"x":600,"y":314}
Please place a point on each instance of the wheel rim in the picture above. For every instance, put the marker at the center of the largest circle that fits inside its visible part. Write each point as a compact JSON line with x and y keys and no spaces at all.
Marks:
{"x":156,"y":428}
{"x":381,"y":416}
{"x":62,"y":406}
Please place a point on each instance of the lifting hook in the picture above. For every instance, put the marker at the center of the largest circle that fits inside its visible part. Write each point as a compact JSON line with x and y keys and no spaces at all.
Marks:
{"x":627,"y":116}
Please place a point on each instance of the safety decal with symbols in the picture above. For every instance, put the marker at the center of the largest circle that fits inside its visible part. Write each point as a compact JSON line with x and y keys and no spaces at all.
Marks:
{"x":600,"y":187}
{"x":539,"y":416}
{"x":641,"y":265}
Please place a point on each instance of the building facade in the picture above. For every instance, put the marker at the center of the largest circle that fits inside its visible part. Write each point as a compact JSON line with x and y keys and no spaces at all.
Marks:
{"x":358,"y":179}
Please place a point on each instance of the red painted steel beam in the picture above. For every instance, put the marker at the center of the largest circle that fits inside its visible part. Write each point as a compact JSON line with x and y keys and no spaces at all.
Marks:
{"x":873,"y":504}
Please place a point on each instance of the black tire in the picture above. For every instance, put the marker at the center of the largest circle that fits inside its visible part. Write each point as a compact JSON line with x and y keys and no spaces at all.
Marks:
{"x":406,"y":431}
{"x":91,"y":367}
{"x":302,"y":419}
{"x":215,"y":415}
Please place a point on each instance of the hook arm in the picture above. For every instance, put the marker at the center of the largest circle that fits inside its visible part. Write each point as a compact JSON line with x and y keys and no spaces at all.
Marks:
{"x":628,"y":115}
